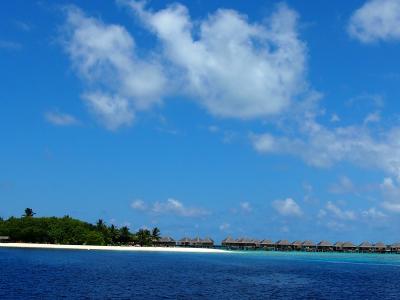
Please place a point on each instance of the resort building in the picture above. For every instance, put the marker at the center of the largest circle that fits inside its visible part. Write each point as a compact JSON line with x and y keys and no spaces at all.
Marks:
{"x":380,"y":247}
{"x":308,"y":246}
{"x":229,"y":242}
{"x":267,"y":245}
{"x":348,"y":247}
{"x":165,"y":242}
{"x":395,"y":248}
{"x":325,"y":246}
{"x":283,"y":245}
{"x":338,"y":246}
{"x":185,"y":242}
{"x":296,"y":245}
{"x":208,"y":242}
{"x":365,"y":247}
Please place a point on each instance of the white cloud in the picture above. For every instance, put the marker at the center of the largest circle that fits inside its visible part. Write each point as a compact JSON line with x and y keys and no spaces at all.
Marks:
{"x":173,"y":206}
{"x":10,"y":45}
{"x":344,"y":186}
{"x":339,"y":213}
{"x":373,"y":213}
{"x":246,"y":207}
{"x":287,"y":207}
{"x":323,"y":147}
{"x":391,"y":194}
{"x":335,"y":118}
{"x":139,"y":204}
{"x":374,"y":117}
{"x":119,"y":83}
{"x":60,"y":119}
{"x":224,"y":226}
{"x":376,"y":20}
{"x":231,"y":66}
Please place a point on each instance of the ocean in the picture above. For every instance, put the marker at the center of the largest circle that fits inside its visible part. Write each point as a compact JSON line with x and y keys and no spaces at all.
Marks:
{"x":78,"y":274}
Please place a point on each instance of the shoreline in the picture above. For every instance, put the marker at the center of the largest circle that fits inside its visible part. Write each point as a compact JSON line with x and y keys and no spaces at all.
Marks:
{"x":111,"y":248}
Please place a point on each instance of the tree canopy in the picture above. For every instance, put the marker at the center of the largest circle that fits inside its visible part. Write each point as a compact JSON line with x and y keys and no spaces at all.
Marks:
{"x":69,"y":231}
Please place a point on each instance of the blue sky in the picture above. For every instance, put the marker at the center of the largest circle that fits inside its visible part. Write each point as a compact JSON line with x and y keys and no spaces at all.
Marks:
{"x":265,"y":119}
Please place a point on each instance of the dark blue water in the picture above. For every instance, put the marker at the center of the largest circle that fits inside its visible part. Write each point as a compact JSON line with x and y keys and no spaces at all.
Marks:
{"x":54,"y":274}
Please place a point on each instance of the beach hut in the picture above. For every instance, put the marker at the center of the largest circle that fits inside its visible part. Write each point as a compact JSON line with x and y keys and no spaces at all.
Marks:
{"x":267,"y":245}
{"x":229,"y":242}
{"x":257,"y":243}
{"x":245,"y":243}
{"x":4,"y":239}
{"x":165,"y":242}
{"x":196,"y":242}
{"x":283,"y":245}
{"x":338,"y":246}
{"x":308,"y":246}
{"x":324,"y":246}
{"x":208,"y":242}
{"x":296,"y":245}
{"x":349,"y":247}
{"x":379,"y":247}
{"x":365,"y":247}
{"x":395,"y":248}
{"x":185,"y":242}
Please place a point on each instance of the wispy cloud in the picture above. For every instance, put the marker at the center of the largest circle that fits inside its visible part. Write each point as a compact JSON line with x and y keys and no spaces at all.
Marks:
{"x":10,"y":45}
{"x":60,"y":119}
{"x":376,"y":20}
{"x":287,"y":207}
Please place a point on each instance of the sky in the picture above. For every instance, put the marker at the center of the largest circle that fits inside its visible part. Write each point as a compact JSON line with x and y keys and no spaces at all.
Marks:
{"x":261,"y":119}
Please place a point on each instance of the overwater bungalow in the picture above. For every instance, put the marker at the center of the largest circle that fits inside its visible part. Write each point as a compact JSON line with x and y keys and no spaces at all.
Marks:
{"x":308,"y":246}
{"x":267,"y":245}
{"x":185,"y":242}
{"x":365,"y":247}
{"x":380,"y":247}
{"x":196,"y":242}
{"x":325,"y":246}
{"x":395,"y":248}
{"x":338,"y":246}
{"x":283,"y":245}
{"x":208,"y":242}
{"x":165,"y":242}
{"x":296,"y":245}
{"x":257,"y":243}
{"x":229,"y":242}
{"x":245,"y":243}
{"x":349,"y":247}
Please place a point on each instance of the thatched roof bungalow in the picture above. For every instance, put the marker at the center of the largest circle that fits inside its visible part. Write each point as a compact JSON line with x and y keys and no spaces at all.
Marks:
{"x":379,"y":247}
{"x":208,"y":242}
{"x":308,"y":245}
{"x":395,"y":248}
{"x":245,"y":243}
{"x":165,"y":242}
{"x":324,"y":246}
{"x":229,"y":242}
{"x":338,"y":246}
{"x":296,"y":245}
{"x":283,"y":245}
{"x":365,"y":247}
{"x":185,"y":242}
{"x":197,"y":242}
{"x":267,"y":244}
{"x":348,"y":247}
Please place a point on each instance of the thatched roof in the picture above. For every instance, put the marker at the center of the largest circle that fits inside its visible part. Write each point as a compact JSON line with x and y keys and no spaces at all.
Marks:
{"x":228,"y":240}
{"x":197,"y":240}
{"x":267,"y":242}
{"x":348,"y":245}
{"x":257,"y":242}
{"x":395,"y":246}
{"x":325,"y":244}
{"x":166,"y":239}
{"x":208,"y":240}
{"x":339,"y":244}
{"x":379,"y":245}
{"x":297,"y":243}
{"x":365,"y":245}
{"x":283,"y":243}
{"x":185,"y":240}
{"x":308,"y":243}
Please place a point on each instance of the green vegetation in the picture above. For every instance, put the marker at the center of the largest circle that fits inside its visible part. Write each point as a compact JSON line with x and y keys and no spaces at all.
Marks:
{"x":69,"y":231}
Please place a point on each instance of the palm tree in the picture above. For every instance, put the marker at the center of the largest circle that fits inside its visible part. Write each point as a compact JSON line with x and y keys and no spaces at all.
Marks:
{"x":144,"y":237}
{"x":155,"y":234}
{"x":125,"y":235}
{"x":29,"y":213}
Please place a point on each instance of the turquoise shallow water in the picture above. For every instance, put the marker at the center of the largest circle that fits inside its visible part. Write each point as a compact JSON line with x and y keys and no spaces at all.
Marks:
{"x":53,"y":274}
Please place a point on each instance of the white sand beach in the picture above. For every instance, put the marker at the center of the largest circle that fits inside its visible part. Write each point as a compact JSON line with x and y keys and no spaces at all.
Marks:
{"x":111,"y":248}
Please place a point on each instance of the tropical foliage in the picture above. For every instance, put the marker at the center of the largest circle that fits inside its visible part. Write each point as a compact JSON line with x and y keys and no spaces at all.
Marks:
{"x":67,"y":230}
